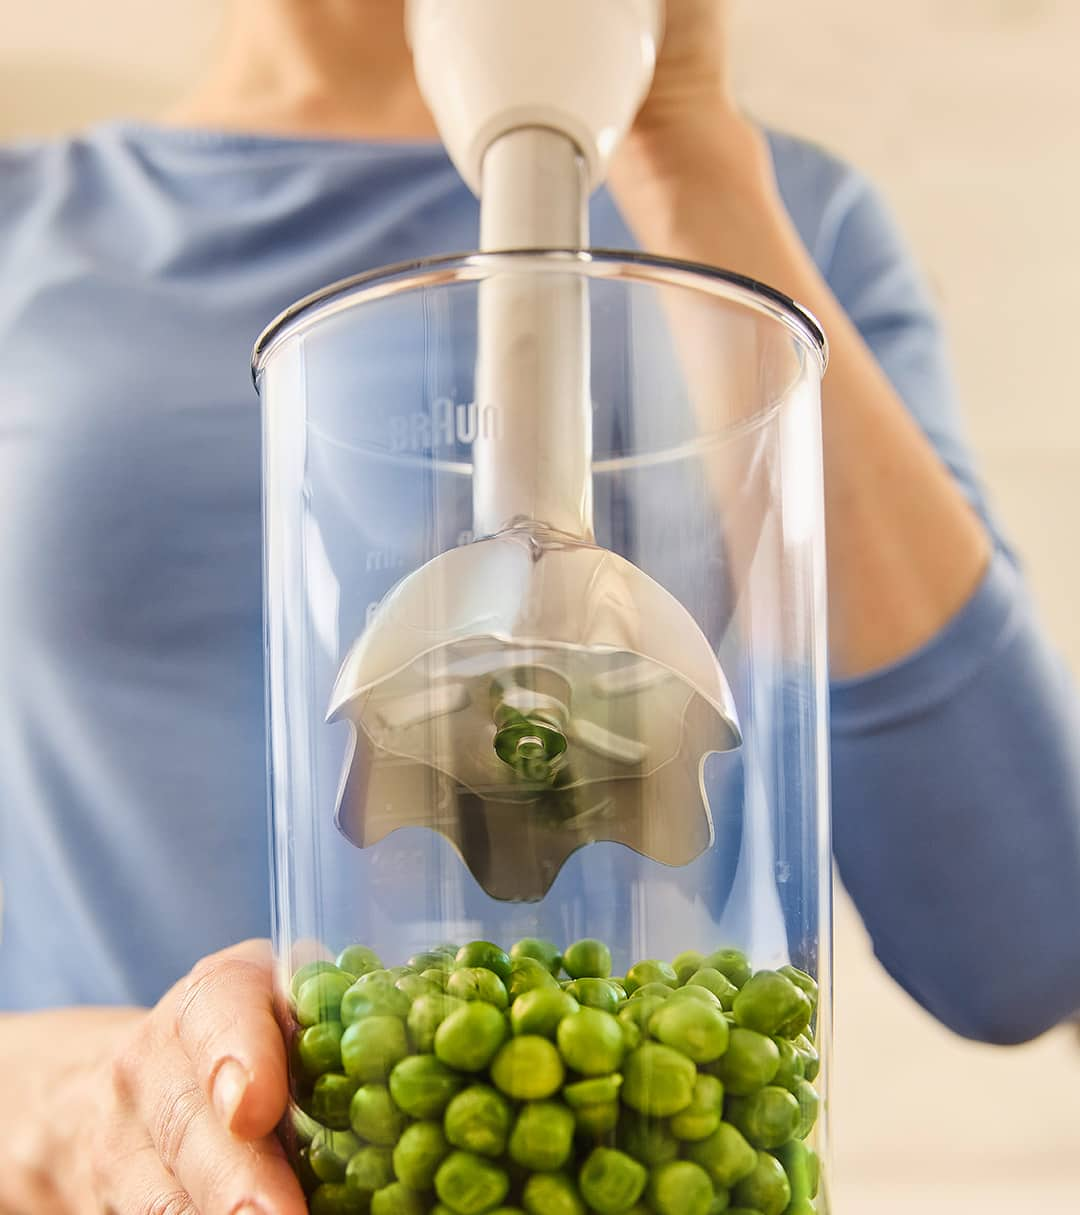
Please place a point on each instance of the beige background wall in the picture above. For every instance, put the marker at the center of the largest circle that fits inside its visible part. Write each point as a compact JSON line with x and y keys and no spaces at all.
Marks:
{"x":966,"y":112}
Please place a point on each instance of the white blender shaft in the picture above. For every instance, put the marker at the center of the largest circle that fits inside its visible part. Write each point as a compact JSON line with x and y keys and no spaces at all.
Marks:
{"x":533,"y":467}
{"x":531,"y":99}
{"x":582,"y":67}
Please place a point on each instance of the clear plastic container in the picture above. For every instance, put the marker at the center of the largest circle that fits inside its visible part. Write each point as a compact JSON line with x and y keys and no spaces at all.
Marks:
{"x":492,"y":722}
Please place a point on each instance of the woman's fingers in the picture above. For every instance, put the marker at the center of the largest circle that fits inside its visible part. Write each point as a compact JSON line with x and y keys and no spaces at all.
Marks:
{"x":130,"y":1178}
{"x":224,"y":1022}
{"x":220,"y":1172}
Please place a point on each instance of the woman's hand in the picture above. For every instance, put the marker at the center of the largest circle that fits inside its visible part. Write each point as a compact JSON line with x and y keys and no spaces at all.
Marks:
{"x":692,"y":70}
{"x":176,"y":1114}
{"x":689,"y":121}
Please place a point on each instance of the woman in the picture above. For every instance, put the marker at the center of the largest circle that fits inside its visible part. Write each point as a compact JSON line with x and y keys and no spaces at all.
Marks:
{"x":139,"y":262}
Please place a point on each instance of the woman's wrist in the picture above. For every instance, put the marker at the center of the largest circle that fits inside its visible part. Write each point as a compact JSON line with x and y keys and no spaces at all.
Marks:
{"x":707,"y":157}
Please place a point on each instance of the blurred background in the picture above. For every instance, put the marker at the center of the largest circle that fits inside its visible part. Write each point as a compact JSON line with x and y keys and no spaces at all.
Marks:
{"x":965,"y":113}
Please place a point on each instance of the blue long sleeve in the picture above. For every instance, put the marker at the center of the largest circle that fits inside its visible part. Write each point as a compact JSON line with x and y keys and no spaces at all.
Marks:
{"x":956,"y":773}
{"x":956,"y":780}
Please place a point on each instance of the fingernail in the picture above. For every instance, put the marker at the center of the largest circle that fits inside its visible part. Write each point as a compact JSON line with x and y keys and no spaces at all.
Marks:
{"x":230,"y":1083}
{"x":248,"y":1208}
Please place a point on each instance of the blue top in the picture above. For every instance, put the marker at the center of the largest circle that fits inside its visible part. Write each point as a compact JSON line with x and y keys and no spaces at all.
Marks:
{"x":137,"y":267}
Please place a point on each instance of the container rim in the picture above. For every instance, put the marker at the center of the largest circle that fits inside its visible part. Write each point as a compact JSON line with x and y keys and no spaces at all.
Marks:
{"x":403,"y":276}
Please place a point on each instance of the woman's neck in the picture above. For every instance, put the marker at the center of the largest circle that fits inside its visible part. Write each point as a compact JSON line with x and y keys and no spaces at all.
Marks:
{"x":329,"y":68}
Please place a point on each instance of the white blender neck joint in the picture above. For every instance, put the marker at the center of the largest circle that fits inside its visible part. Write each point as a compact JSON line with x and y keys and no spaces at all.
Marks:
{"x":486,"y":67}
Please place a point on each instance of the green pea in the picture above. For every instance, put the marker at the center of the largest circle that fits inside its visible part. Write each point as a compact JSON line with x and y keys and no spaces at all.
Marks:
{"x":330,"y":1152}
{"x":804,"y":982}
{"x":334,"y":1198}
{"x":528,"y":1068}
{"x":686,"y":964}
{"x":658,"y":1080}
{"x":718,"y":983}
{"x":469,"y":1184}
{"x":330,"y":1100}
{"x":543,"y":1136}
{"x":477,"y":983}
{"x":631,"y":1034}
{"x":431,"y":959}
{"x":725,"y":1156}
{"x":750,"y":1062}
{"x":591,"y":1042}
{"x":638,"y":1010}
{"x":320,"y":996}
{"x":423,"y":1086}
{"x":357,"y":960}
{"x":591,"y":1092}
{"x":729,"y":962}
{"x":813,"y":1171}
{"x":309,"y":1183}
{"x":416,"y":985}
{"x":610,"y":1181}
{"x":680,"y":1188}
{"x":768,"y":1002}
{"x":701,"y":994}
{"x":597,"y":1121}
{"x":551,"y":1194}
{"x":378,"y":998}
{"x":469,"y":1037}
{"x":370,"y":1169}
{"x":370,"y":1048}
{"x":308,"y":971}
{"x":595,"y":993}
{"x":419,"y":1152}
{"x":382,"y":975}
{"x":374,"y":1116}
{"x":768,"y":1118}
{"x":540,"y":1011}
{"x":702,"y":1116}
{"x":478,"y":1120}
{"x":397,"y":1199}
{"x":811,"y":1060}
{"x":319,"y":1048}
{"x":587,"y":959}
{"x":649,"y":972}
{"x":528,"y":974}
{"x":659,"y":990}
{"x":648,"y":1139}
{"x":543,"y":951}
{"x":766,"y":1189}
{"x":693,"y":1029}
{"x":795,"y":1157}
{"x":809,"y":1101}
{"x":792,"y":1067}
{"x":425,"y":1016}
{"x":486,"y":955}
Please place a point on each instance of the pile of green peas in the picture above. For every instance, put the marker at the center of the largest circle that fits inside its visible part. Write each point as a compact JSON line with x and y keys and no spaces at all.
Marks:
{"x":472,"y":1081}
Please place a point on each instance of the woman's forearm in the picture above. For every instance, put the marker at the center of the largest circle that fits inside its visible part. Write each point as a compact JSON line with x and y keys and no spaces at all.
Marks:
{"x":905,"y":549}
{"x":51,"y":1063}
